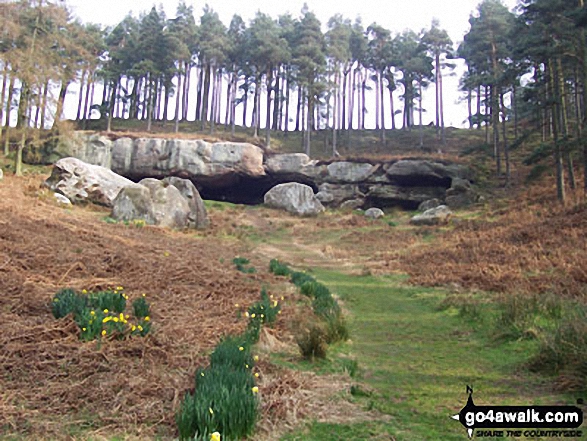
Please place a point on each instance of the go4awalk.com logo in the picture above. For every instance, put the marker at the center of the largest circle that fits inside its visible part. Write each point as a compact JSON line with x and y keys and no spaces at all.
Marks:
{"x":520,"y":421}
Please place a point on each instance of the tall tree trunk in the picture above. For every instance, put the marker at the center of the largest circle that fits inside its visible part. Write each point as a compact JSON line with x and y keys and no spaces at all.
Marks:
{"x":228,"y":106}
{"x":392,"y":108}
{"x":277,"y":100}
{"x":89,"y":85}
{"x":558,"y":157}
{"x":299,"y":108}
{"x":470,"y":107}
{"x":352,"y":99}
{"x":565,"y":124}
{"x":479,"y":107}
{"x":178,"y":99}
{"x":245,"y":103}
{"x":363,"y":102}
{"x":287,"y":99}
{"x":437,"y":90}
{"x":382,"y":111}
{"x":506,"y":153}
{"x":268,"y":81}
{"x":421,"y":127}
{"x":343,"y":119}
{"x":254,"y":116}
{"x":5,"y":85}
{"x":495,"y":125}
{"x":377,"y":103}
{"x":151,"y":102}
{"x":309,"y":123}
{"x":206,"y":94}
{"x":81,"y":94}
{"x":186,"y":91}
{"x":200,"y":90}
{"x":441,"y":106}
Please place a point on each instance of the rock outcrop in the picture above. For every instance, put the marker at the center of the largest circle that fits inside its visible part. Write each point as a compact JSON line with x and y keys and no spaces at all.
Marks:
{"x":82,"y":182}
{"x":298,"y":199}
{"x":243,"y":173}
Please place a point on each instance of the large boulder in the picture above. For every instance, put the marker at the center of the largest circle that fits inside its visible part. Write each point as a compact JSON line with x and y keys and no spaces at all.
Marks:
{"x":82,"y":182}
{"x":155,"y":202}
{"x":198,"y":217}
{"x":298,"y":199}
{"x":434,"y":216}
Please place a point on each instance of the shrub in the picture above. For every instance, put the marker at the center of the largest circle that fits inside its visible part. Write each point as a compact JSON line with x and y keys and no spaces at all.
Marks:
{"x":312,"y":341}
{"x":314,"y":289}
{"x":278,"y":268}
{"x":337,"y":329}
{"x":67,"y":301}
{"x":298,"y":278}
{"x":563,"y":349}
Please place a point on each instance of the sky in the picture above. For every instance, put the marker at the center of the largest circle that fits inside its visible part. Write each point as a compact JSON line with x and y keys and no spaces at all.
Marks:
{"x":395,"y":15}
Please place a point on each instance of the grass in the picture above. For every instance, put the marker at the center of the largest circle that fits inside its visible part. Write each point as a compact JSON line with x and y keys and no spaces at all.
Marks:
{"x":418,"y":359}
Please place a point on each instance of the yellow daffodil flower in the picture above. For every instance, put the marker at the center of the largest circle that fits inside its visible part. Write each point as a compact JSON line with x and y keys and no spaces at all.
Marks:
{"x":92,"y":313}
{"x":202,"y":374}
{"x":247,"y":366}
{"x":255,"y":390}
{"x":105,"y":311}
{"x":236,"y":305}
{"x":106,"y":319}
{"x":215,"y":436}
{"x":84,"y":329}
{"x":253,"y":315}
{"x":211,"y":411}
{"x":274,"y":303}
{"x":241,"y":348}
{"x":84,"y":291}
{"x":140,"y":328}
{"x":104,"y":332}
{"x":256,"y":374}
{"x":144,"y":295}
{"x":134,"y":328}
{"x":282,"y":298}
{"x":256,"y":358}
{"x":147,"y":318}
{"x":247,"y":314}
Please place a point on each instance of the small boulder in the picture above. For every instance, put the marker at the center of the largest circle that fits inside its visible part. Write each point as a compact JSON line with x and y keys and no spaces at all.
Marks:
{"x":352,"y":204}
{"x":61,"y":200}
{"x":198,"y":217}
{"x":82,"y":182}
{"x":430,"y":203}
{"x":434,"y":216}
{"x":298,"y":199}
{"x":374,"y":213}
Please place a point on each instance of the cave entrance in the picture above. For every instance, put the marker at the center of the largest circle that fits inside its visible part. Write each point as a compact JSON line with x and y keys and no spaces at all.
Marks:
{"x":242,"y":189}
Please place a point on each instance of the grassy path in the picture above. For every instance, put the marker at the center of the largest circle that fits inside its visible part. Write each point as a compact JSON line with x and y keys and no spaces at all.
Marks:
{"x":418,"y":360}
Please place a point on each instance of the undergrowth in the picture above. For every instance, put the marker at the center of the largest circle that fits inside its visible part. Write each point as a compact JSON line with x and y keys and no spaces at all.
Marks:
{"x":313,"y":338}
